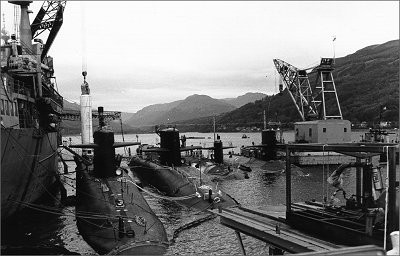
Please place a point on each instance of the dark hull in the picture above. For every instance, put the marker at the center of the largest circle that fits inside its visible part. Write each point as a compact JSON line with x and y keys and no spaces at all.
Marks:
{"x":177,"y":183}
{"x":28,"y":168}
{"x":98,"y":216}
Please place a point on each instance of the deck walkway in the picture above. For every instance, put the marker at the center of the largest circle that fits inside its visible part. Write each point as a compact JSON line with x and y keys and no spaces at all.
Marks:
{"x":269,"y":226}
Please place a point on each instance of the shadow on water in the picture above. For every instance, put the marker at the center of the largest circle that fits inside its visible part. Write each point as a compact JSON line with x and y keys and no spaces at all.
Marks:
{"x":35,"y":232}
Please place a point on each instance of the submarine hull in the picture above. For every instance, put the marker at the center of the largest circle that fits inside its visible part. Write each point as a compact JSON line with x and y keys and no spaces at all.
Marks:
{"x":180,"y":182}
{"x":114,"y":218}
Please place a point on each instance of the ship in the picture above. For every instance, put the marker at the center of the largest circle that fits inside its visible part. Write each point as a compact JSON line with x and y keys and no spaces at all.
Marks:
{"x":165,"y":169}
{"x":112,"y":215}
{"x":30,"y":109}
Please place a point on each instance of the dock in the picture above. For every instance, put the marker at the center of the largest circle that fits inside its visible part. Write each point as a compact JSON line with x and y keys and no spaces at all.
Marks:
{"x":269,"y":225}
{"x":298,"y":227}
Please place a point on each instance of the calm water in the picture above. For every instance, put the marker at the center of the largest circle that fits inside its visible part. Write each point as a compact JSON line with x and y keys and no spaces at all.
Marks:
{"x":210,"y":238}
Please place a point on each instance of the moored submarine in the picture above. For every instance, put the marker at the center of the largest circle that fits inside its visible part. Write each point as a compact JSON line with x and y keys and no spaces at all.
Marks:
{"x":182,"y":182}
{"x":112,"y":215}
{"x":216,"y":167}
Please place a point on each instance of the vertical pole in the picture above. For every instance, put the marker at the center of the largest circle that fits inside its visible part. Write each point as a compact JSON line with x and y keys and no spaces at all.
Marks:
{"x":265,"y":120}
{"x":391,"y":219}
{"x":323,"y":95}
{"x":240,"y":242}
{"x":288,"y":181}
{"x":39,"y":70}
{"x":358,"y":181}
{"x":214,"y":126}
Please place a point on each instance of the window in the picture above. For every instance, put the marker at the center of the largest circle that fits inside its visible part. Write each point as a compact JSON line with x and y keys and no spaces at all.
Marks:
{"x":323,"y":129}
{"x":345,"y":129}
{"x":7,"y":108}
{"x":15,"y":109}
{"x":297,"y":132}
{"x":2,"y":107}
{"x":12,"y":108}
{"x":309,"y":132}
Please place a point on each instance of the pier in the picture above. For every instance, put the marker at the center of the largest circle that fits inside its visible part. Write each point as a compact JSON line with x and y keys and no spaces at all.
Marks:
{"x":298,"y":227}
{"x":269,"y":225}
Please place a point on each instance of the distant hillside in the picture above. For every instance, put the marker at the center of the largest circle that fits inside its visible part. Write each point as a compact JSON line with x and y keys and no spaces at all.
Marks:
{"x":150,"y":114}
{"x":364,"y":80}
{"x":244,"y":99}
{"x":71,"y":105}
{"x":368,"y":78}
{"x":194,"y":106}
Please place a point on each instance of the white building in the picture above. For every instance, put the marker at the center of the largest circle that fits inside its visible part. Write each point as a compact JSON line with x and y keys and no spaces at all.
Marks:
{"x":323,"y":131}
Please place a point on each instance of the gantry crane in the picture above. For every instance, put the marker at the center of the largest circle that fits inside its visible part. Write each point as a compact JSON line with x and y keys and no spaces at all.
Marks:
{"x":311,"y":105}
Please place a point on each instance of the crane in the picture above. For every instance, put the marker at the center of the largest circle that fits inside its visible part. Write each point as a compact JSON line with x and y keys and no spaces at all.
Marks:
{"x":49,"y":18}
{"x":299,"y":88}
{"x":309,"y":104}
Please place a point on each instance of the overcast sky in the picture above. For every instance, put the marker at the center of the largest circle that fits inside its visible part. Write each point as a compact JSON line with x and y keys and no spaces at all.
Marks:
{"x":142,"y":53}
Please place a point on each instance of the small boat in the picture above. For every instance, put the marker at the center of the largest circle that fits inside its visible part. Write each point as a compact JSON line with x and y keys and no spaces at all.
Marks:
{"x":112,"y":215}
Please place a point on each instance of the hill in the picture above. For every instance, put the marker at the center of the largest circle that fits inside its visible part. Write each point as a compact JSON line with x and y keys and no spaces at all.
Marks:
{"x":194,"y":106}
{"x":244,"y":99}
{"x":365,"y":81}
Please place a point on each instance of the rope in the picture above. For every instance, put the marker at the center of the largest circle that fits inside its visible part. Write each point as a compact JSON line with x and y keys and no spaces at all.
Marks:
{"x":191,"y":225}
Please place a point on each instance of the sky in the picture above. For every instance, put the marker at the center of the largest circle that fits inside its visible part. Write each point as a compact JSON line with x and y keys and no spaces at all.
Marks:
{"x":139,"y":53}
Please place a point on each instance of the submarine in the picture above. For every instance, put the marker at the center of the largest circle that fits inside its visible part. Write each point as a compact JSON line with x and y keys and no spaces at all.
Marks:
{"x":112,"y":215}
{"x":173,"y":176}
{"x":216,"y":167}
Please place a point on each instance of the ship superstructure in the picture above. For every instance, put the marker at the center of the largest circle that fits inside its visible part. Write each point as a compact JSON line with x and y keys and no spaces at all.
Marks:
{"x":30,"y":109}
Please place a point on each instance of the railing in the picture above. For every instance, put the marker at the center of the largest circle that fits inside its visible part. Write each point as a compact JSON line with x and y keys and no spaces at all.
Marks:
{"x":50,"y":92}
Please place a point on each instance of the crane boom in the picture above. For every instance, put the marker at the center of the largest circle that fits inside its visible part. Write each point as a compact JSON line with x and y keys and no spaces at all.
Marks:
{"x":311,"y":105}
{"x":299,"y":89}
{"x":49,"y":18}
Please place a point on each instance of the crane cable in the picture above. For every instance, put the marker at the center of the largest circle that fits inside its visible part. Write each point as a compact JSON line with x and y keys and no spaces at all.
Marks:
{"x":83,"y":32}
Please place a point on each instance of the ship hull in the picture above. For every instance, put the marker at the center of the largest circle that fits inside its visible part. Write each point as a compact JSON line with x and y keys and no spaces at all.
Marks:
{"x":113,"y":228}
{"x":176,"y":183}
{"x":28,"y":168}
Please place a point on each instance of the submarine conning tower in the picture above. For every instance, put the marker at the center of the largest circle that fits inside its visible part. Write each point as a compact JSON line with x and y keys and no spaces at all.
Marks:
{"x":268,"y":137}
{"x":104,"y":160}
{"x":218,"y":151}
{"x":169,"y":139}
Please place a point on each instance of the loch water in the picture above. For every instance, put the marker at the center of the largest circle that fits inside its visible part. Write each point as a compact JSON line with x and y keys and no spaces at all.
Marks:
{"x":261,"y":190}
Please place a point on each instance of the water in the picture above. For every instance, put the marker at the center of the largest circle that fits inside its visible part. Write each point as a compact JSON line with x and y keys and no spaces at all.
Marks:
{"x":210,"y":238}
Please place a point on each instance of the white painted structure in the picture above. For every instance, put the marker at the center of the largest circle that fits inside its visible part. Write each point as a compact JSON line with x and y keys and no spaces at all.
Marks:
{"x":323,"y":131}
{"x":86,"y":121}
